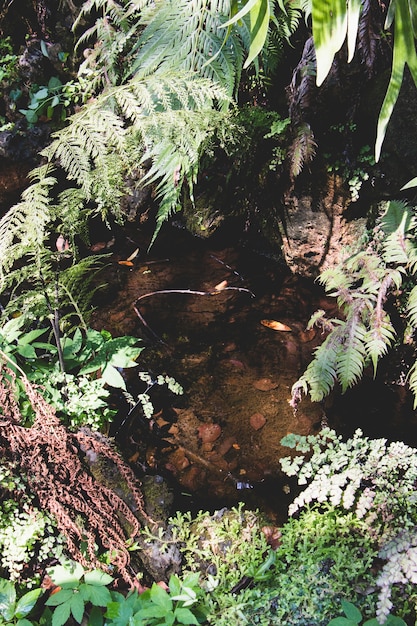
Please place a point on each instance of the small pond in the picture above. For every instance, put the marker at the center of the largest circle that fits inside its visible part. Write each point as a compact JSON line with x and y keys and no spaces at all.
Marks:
{"x":229,"y":324}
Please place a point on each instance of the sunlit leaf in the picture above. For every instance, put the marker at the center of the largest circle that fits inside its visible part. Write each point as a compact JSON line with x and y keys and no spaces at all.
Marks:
{"x":404,"y":53}
{"x":329,"y":32}
{"x":274,"y":325}
{"x":353,"y":13}
{"x":259,"y":24}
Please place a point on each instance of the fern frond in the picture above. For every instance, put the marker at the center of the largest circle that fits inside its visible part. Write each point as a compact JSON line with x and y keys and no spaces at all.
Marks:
{"x":189,"y":38}
{"x":302,"y":149}
{"x":378,"y":339}
{"x":412,"y":307}
{"x":368,"y":36}
{"x":352,"y":354}
{"x":23,"y":227}
{"x":321,"y":373}
{"x":412,"y":382}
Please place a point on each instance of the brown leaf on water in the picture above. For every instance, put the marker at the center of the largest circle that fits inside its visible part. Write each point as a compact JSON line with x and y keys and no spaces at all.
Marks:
{"x":265,"y":384}
{"x":274,"y":325}
{"x":257,"y":421}
{"x":221,"y":286}
{"x":133,"y":255}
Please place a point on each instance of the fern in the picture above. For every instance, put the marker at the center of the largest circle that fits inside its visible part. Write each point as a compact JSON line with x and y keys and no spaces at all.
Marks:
{"x":45,"y":286}
{"x":362,"y":284}
{"x":302,"y":149}
{"x":189,"y":38}
{"x":23,"y":227}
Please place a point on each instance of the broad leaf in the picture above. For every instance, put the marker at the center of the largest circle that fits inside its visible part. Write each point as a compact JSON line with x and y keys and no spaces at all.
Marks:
{"x":160,"y":597}
{"x":7,"y":599}
{"x":77,"y":607}
{"x":184,"y":616}
{"x":351,"y":611}
{"x":259,"y":23}
{"x":404,"y":53}
{"x":97,"y":577}
{"x":330,"y":21}
{"x":61,"y":614}
{"x":113,"y":378}
{"x":27,"y":602}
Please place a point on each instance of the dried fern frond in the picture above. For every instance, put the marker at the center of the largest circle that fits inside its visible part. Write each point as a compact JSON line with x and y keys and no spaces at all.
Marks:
{"x":302,"y":149}
{"x":86,"y":512}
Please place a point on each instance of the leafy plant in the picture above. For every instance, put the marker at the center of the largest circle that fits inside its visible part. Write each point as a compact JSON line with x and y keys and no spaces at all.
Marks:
{"x":374,"y":480}
{"x":91,"y":360}
{"x":78,"y":592}
{"x":336,"y":21}
{"x":353,"y":617}
{"x":14,"y":610}
{"x":180,"y":604}
{"x":44,"y":100}
{"x":28,"y":536}
{"x":362,"y":284}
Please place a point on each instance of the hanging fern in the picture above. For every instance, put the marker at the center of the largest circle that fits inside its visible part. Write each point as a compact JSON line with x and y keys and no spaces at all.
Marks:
{"x":362,"y":284}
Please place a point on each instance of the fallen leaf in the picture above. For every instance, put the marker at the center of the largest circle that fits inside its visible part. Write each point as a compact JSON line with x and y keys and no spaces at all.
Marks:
{"x":127,"y":263}
{"x":97,"y":247}
{"x":257,"y":421}
{"x":221,"y":286}
{"x":133,"y":255}
{"x":209,"y":432}
{"x":265,"y":384}
{"x":274,"y":325}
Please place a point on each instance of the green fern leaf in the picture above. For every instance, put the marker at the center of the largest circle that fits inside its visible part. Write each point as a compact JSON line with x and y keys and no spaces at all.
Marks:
{"x":378,"y":339}
{"x":351,"y":358}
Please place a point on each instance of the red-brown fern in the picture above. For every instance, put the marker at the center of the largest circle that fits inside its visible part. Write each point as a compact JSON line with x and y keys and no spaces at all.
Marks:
{"x":50,"y":457}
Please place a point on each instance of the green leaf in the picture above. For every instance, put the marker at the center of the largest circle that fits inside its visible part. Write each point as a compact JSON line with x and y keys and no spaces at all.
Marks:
{"x":353,"y":14}
{"x":98,"y":595}
{"x":160,"y":597}
{"x":54,"y":83}
{"x":69,"y":574}
{"x":404,"y":53}
{"x":60,"y":597}
{"x":259,"y":23}
{"x":61,"y":614}
{"x":411,"y":183}
{"x":98,"y":577}
{"x":31,"y":336}
{"x":244,"y":10}
{"x":27,"y":602}
{"x":44,"y":49}
{"x":24,"y":622}
{"x":96,"y":617}
{"x":184,"y":616}
{"x":174,"y":585}
{"x":341,"y":621}
{"x":113,"y":378}
{"x":77,"y":607}
{"x":41,"y":94}
{"x":351,"y":611}
{"x":7,"y":599}
{"x":330,"y":21}
{"x":26,"y":351}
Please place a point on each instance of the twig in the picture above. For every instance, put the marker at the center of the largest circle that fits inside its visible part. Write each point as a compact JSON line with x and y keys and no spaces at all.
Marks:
{"x":192,"y":292}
